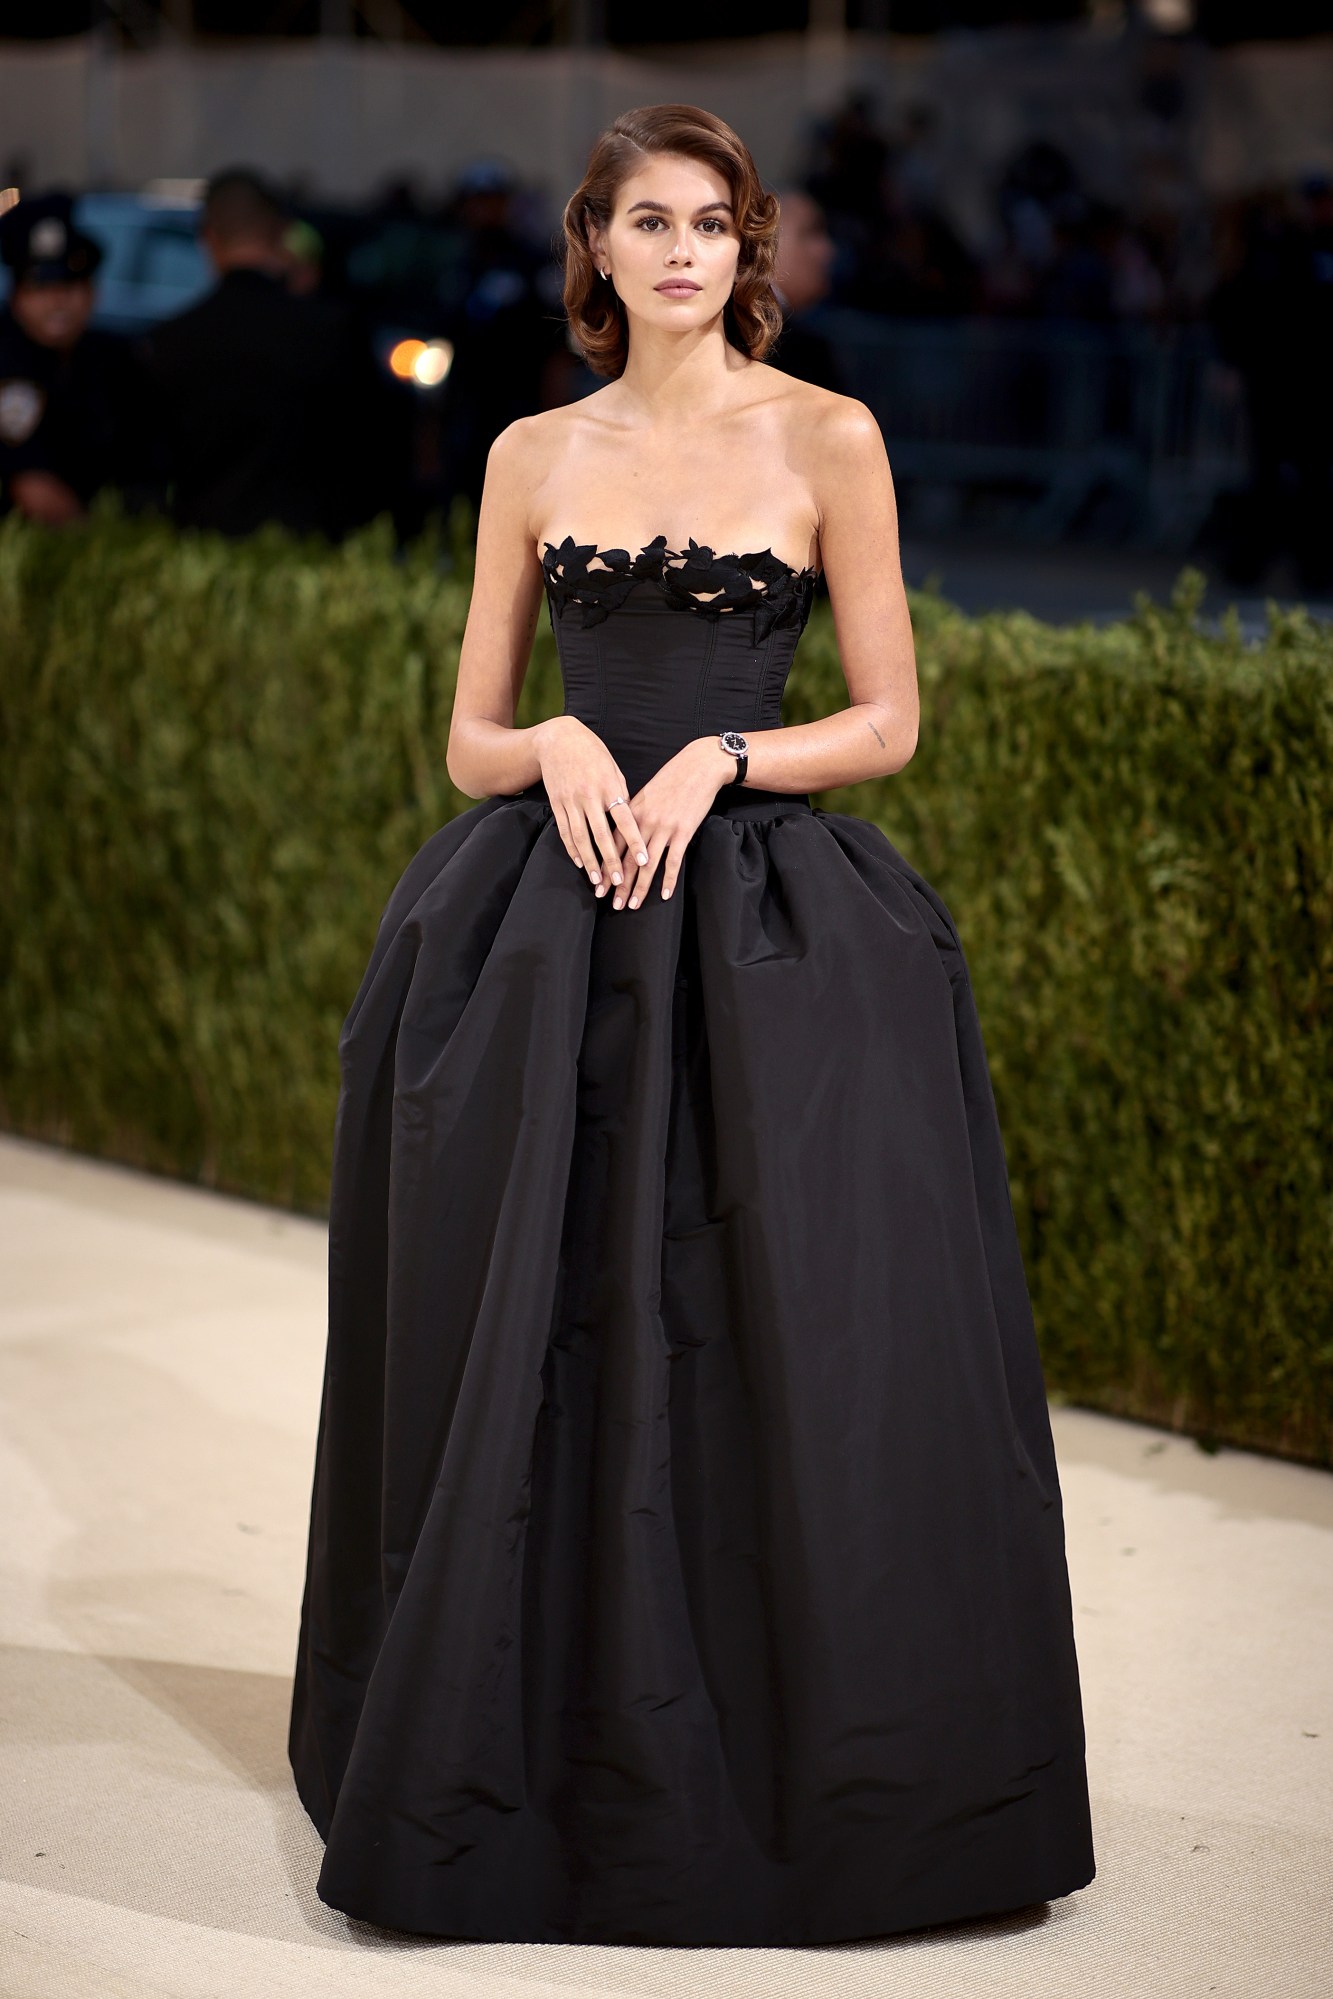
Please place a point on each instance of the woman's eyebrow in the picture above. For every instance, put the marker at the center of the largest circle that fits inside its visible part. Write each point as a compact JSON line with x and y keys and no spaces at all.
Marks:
{"x":662,"y":208}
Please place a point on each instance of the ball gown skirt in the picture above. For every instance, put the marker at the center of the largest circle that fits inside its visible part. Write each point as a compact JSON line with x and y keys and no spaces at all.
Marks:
{"x":686,"y":1557}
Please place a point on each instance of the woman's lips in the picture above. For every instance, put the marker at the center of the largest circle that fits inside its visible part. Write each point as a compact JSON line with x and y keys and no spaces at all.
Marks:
{"x":681,"y":286}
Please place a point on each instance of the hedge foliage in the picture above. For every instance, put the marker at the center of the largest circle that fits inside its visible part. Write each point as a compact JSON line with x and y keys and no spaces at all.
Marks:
{"x":217,"y":758}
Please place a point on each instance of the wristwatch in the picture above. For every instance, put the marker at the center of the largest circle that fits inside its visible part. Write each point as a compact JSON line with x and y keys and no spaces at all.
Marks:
{"x":734,"y":743}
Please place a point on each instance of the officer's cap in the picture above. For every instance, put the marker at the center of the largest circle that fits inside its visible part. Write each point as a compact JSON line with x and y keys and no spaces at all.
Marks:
{"x":39,"y":241}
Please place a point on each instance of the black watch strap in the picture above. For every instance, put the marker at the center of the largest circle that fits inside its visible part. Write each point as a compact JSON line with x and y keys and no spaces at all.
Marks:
{"x":729,"y":738}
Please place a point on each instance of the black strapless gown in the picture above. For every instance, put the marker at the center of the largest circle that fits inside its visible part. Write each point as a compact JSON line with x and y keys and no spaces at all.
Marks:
{"x":686,"y":1559}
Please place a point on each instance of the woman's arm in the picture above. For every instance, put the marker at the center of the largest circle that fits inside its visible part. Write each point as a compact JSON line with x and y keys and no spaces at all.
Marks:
{"x":858,"y":541}
{"x":486,"y":755}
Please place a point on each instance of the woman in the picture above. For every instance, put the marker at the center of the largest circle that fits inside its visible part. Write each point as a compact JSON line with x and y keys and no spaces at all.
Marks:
{"x":687,"y":1555}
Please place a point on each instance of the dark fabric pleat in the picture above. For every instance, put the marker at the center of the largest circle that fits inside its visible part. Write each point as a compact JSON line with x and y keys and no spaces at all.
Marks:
{"x":687,"y":1556}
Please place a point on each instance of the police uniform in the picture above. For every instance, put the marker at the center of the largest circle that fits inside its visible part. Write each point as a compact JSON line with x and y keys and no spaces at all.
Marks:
{"x":78,"y":413}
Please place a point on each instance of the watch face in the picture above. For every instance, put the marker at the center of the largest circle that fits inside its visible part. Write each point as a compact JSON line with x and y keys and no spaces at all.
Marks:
{"x":734,"y":741}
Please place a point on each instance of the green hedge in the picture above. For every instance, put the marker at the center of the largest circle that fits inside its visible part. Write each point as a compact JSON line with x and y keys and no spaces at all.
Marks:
{"x":217,"y":758}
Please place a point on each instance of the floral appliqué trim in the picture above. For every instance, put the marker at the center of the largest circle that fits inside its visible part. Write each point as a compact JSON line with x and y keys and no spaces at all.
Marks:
{"x":692,"y":579}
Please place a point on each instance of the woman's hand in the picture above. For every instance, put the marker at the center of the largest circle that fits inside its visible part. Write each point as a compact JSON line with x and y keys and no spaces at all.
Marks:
{"x":670,"y":808}
{"x":581,"y":777}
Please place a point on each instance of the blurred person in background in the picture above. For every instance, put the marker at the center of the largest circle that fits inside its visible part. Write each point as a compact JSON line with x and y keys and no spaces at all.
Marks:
{"x":849,"y":156}
{"x":896,"y":250}
{"x":272,"y":407}
{"x":73,"y":410}
{"x":802,"y":276}
{"x":914,"y":264}
{"x":1273,"y":316}
{"x":506,"y":323}
{"x":917,"y":170}
{"x":1076,"y":278}
{"x":1035,"y":185}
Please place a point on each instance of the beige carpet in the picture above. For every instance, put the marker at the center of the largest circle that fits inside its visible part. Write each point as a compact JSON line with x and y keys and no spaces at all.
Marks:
{"x":160,"y":1357}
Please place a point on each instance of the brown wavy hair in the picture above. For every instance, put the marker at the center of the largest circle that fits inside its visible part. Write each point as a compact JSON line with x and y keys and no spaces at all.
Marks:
{"x":752,"y":317}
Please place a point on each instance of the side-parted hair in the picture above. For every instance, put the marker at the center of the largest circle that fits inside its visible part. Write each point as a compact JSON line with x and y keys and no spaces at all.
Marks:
{"x":752,"y":317}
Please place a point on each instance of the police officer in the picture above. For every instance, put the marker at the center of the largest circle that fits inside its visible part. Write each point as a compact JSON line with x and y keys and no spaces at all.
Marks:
{"x":72,"y":407}
{"x":271,"y":404}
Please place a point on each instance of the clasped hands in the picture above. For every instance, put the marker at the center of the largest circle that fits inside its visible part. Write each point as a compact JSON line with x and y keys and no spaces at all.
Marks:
{"x":621,"y":844}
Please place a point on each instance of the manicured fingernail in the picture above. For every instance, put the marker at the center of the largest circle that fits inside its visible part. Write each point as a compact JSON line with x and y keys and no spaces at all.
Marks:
{"x":616,"y":876}
{"x":643,"y":857}
{"x":618,"y":901}
{"x":593,"y":875}
{"x":634,"y":902}
{"x":665,"y":893}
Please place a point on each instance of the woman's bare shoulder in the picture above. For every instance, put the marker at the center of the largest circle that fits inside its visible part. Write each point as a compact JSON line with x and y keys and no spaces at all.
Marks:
{"x":822,"y":428}
{"x":531,"y":448}
{"x":826,"y":418}
{"x":545,"y":435}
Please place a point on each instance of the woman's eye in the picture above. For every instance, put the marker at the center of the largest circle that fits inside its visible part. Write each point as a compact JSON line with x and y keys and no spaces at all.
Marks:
{"x":718,"y":227}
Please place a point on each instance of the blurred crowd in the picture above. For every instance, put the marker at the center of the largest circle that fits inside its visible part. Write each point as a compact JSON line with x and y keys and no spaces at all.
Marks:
{"x":272,"y":397}
{"x":1053,"y":249}
{"x":343,"y":365}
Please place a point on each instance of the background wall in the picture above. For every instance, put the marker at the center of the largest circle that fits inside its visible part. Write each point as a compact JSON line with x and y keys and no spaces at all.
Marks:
{"x":1177,"y":119}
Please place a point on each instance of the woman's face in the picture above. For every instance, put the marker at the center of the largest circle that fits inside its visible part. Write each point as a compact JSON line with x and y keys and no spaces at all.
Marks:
{"x":673,"y":225}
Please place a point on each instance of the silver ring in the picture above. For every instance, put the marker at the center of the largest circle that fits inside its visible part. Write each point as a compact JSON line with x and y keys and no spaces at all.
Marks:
{"x":617,"y":801}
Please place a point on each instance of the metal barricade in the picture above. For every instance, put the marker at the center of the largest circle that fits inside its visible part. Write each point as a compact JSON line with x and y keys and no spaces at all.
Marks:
{"x":1144,"y":422}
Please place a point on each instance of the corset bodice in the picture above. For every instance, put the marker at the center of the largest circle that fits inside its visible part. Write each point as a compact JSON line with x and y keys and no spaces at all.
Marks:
{"x":666,"y":645}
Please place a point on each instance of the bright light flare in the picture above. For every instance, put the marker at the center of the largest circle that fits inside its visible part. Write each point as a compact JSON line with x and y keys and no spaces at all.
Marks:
{"x":403,"y":358}
{"x":433,"y":363}
{"x":425,"y":362}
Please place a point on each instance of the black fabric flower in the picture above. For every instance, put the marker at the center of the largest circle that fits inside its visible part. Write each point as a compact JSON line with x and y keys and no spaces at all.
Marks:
{"x":693,"y":579}
{"x":571,"y":580}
